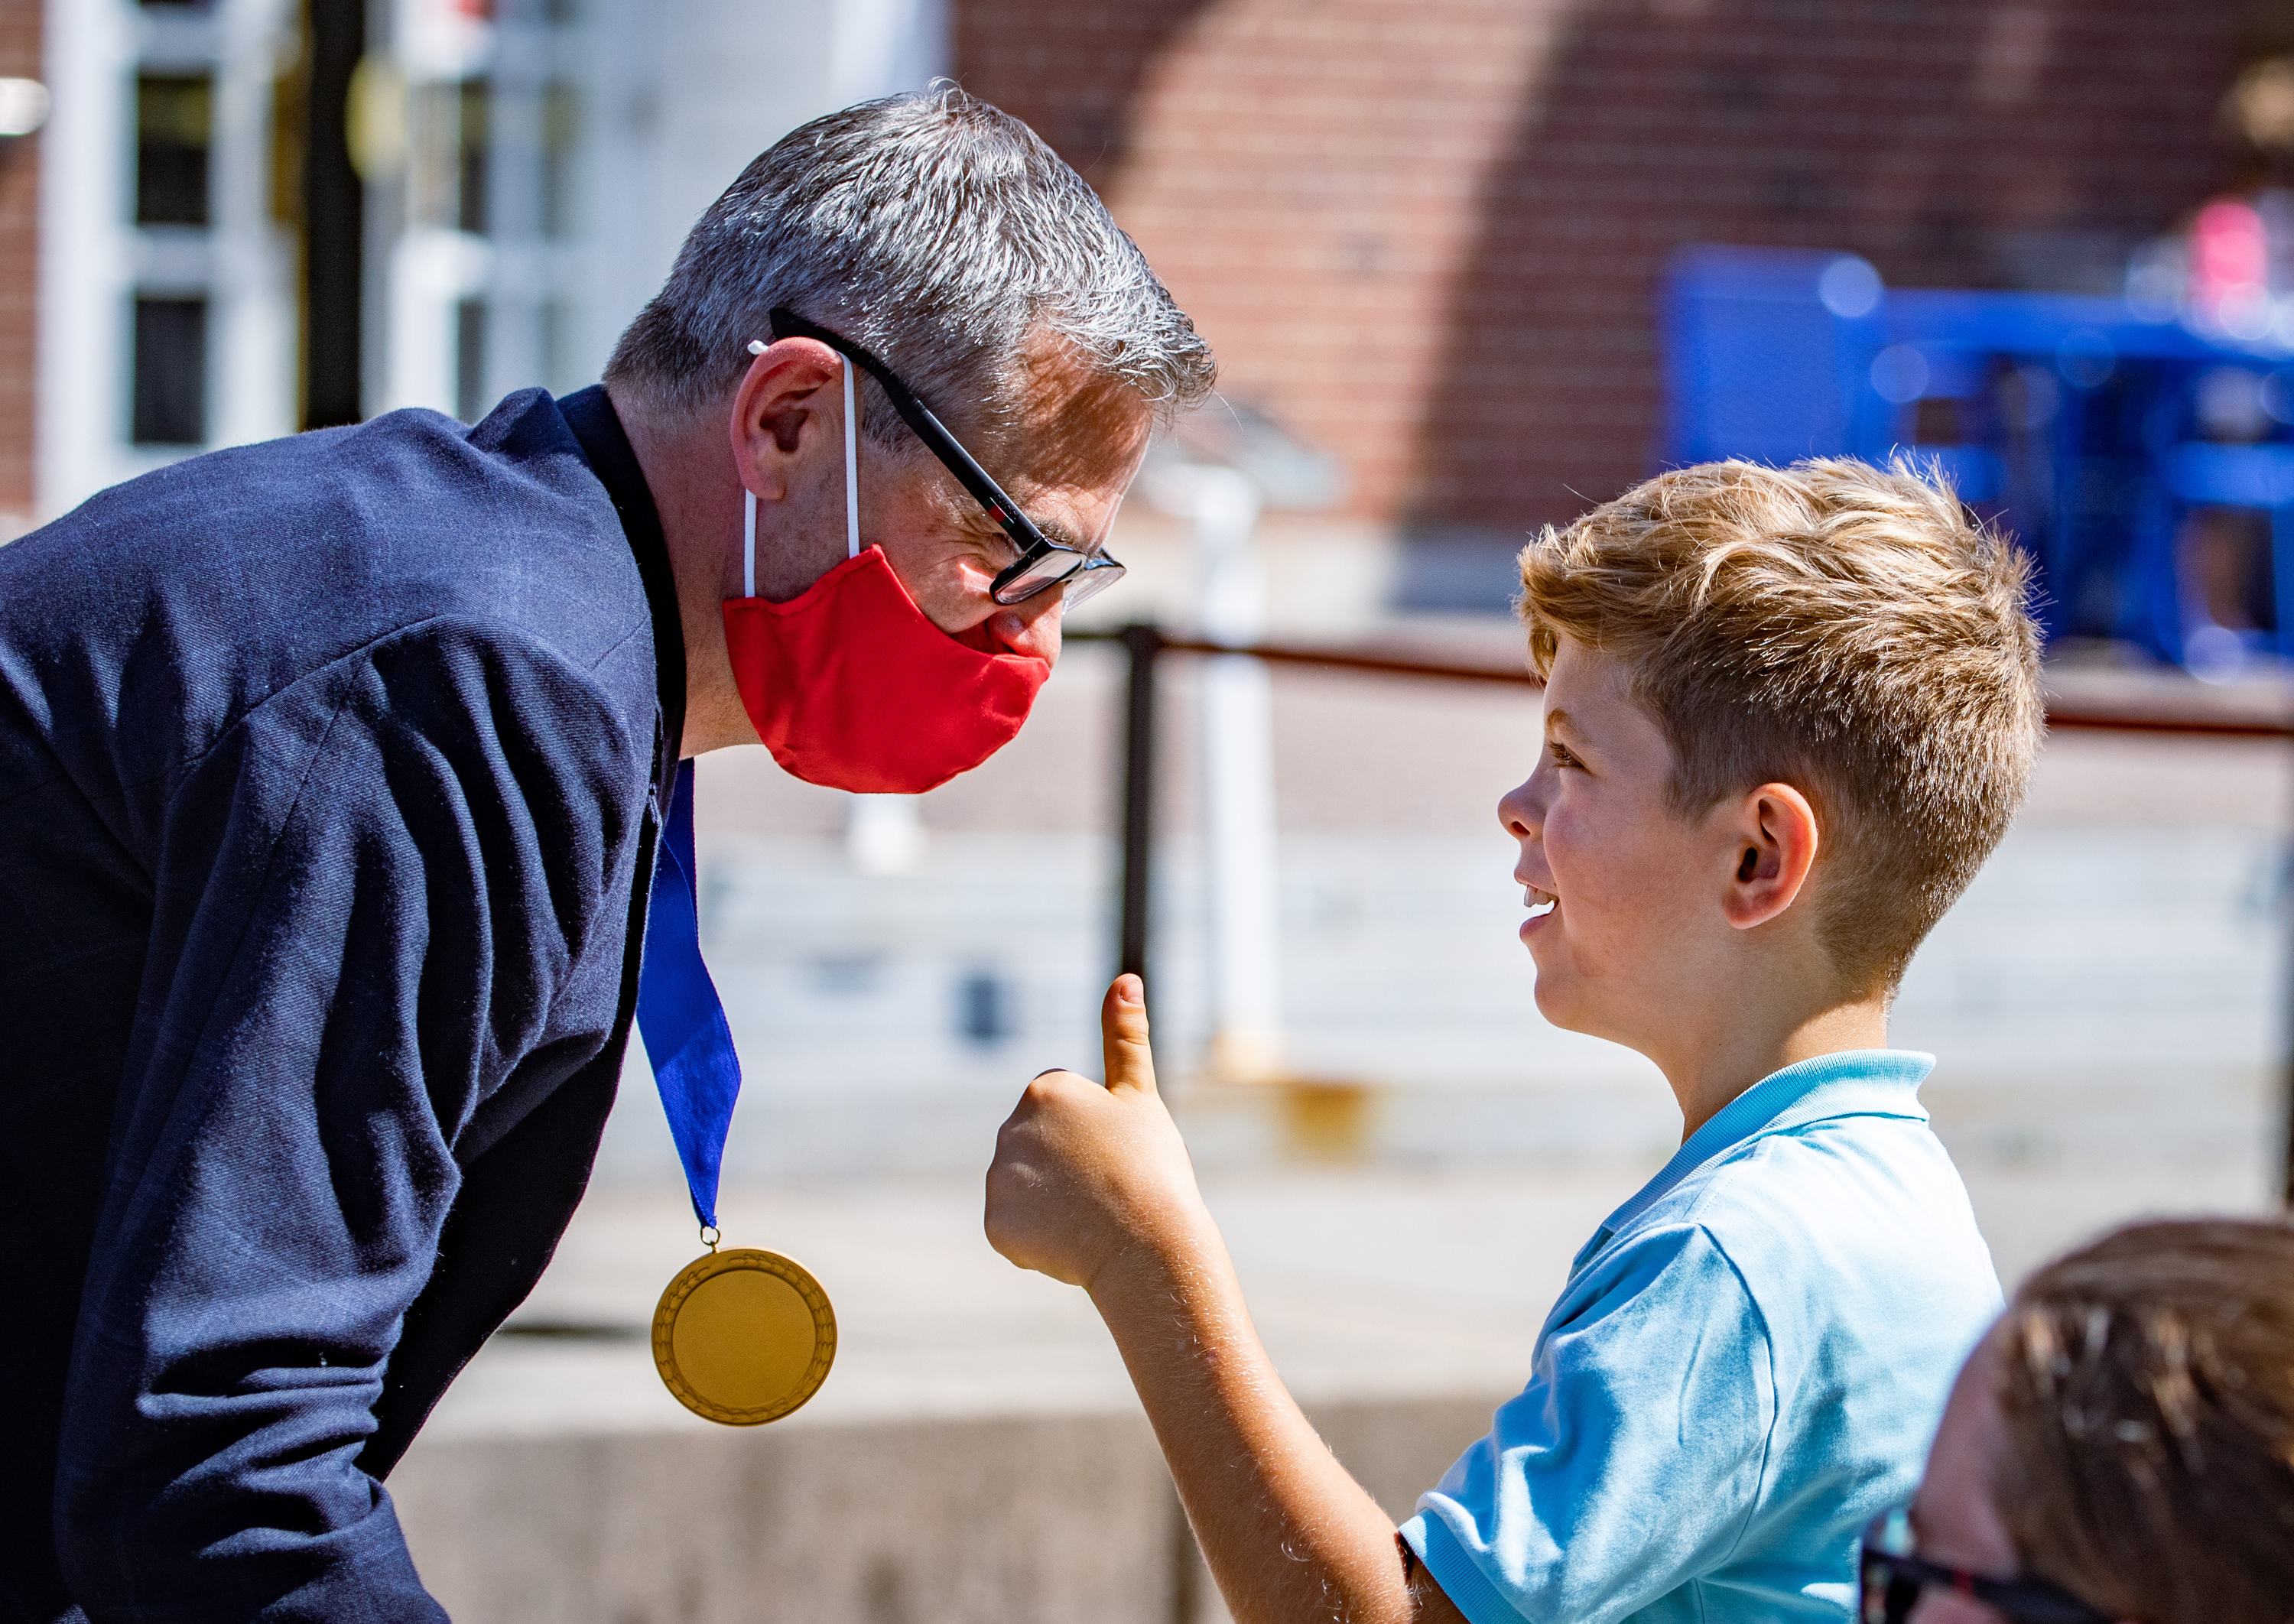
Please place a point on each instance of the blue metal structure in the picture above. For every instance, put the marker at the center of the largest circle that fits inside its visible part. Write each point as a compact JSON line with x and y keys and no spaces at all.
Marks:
{"x":2085,"y":429}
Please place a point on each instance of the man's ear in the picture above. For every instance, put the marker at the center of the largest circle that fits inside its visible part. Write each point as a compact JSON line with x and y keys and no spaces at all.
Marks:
{"x":780,"y":400}
{"x":1775,"y":840}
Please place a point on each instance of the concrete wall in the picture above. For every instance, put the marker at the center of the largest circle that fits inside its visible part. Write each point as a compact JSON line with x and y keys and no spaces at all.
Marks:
{"x":1065,"y":1520}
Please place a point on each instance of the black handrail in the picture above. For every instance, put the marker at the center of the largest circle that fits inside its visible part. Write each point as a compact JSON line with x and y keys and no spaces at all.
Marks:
{"x":1146,"y":644}
{"x":2058,"y":716}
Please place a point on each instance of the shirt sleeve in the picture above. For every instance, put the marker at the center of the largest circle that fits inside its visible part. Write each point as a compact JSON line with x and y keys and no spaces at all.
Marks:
{"x":367,"y":897}
{"x":1631,"y":1463}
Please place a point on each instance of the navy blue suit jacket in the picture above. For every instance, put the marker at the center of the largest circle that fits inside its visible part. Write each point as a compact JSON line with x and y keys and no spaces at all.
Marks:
{"x":330,"y":772}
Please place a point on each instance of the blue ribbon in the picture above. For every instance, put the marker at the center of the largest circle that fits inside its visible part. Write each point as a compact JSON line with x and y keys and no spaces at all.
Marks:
{"x":678,"y":1013}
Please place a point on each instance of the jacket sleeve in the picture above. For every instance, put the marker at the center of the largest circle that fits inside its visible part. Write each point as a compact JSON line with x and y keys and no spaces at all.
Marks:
{"x":367,"y":897}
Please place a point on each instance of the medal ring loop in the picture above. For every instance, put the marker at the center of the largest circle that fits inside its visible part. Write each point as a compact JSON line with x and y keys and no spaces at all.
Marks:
{"x":711,"y":1235}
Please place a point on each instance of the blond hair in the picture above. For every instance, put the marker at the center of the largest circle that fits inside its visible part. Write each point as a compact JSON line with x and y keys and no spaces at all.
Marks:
{"x":1850,"y":631}
{"x":2145,"y":1386}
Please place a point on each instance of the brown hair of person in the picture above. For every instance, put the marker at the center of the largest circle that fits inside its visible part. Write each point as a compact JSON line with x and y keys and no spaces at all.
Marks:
{"x":1846,"y":629}
{"x":2145,"y":1386}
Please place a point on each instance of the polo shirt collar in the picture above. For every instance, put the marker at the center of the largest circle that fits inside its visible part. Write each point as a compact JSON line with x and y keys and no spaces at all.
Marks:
{"x":1854,"y":1083}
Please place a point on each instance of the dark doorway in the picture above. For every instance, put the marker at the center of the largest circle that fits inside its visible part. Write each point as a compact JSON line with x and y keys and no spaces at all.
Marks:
{"x":334,"y":216}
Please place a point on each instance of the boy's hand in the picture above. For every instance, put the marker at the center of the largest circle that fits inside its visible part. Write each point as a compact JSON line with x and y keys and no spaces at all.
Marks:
{"x":1084,"y":1174}
{"x":1092,"y":1186}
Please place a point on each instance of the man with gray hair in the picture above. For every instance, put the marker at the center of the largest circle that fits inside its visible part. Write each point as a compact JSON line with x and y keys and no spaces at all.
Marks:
{"x":337,"y":776}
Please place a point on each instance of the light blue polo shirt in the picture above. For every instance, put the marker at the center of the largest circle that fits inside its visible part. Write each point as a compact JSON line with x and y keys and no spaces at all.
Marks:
{"x":1745,"y":1367}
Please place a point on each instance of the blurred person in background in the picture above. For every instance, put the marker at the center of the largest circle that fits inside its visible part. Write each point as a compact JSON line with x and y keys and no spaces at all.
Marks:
{"x":2119,"y":1446}
{"x":333,"y":773}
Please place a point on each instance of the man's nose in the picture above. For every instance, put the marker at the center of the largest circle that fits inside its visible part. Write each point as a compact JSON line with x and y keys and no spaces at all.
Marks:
{"x":1031,"y":625}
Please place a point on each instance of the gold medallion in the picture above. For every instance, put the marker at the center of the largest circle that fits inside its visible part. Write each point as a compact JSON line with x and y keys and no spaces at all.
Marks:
{"x":743,"y":1337}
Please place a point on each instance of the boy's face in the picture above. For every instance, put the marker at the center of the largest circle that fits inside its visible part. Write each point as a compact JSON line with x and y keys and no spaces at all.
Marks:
{"x":1627,"y":894}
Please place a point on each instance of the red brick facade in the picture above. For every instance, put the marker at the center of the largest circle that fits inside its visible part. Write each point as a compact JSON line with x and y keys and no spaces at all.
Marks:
{"x":20,"y":274}
{"x":1428,"y":234}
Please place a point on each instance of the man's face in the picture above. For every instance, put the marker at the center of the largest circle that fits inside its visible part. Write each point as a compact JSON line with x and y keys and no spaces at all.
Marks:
{"x":1066,"y":461}
{"x":1633,"y":888}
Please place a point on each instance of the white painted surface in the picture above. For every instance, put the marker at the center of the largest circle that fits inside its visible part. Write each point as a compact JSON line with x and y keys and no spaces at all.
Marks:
{"x":679,"y":99}
{"x":1242,"y":885}
{"x":86,"y":161}
{"x":93,"y":257}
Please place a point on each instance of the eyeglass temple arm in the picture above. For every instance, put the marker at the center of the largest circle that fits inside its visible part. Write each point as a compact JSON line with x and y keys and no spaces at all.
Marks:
{"x":2030,"y":1600}
{"x":788,"y":324}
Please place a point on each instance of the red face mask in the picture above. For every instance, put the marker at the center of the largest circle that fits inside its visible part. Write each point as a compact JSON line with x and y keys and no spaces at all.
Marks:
{"x":850,"y":687}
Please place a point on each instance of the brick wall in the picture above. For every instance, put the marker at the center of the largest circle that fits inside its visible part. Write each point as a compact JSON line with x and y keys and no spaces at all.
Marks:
{"x":20,"y":202}
{"x":1428,"y":234}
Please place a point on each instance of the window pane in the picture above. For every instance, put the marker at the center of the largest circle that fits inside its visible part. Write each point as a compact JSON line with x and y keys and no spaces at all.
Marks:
{"x":171,"y":372}
{"x":983,"y":1009}
{"x":557,"y":345}
{"x":476,"y":102}
{"x":561,"y":127}
{"x":174,"y":114}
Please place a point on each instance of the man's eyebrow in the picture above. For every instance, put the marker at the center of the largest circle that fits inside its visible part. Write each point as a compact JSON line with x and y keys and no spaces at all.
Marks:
{"x":1051,"y":530}
{"x":1055,"y":532}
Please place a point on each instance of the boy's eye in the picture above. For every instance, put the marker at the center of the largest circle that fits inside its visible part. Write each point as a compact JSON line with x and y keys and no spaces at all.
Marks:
{"x":1560,"y":753}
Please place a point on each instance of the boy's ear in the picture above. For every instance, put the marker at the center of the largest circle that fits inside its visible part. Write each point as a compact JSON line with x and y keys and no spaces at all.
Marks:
{"x":1775,"y":846}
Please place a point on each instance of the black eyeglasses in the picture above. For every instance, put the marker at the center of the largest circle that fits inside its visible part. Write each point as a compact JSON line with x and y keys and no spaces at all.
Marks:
{"x":1043,"y":562}
{"x":1893,"y":1578}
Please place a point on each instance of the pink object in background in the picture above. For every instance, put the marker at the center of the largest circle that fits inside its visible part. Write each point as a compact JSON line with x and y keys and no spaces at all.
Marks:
{"x":2230,"y":268}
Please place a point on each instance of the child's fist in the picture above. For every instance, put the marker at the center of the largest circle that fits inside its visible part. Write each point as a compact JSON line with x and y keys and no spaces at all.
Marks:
{"x":1084,"y":1173}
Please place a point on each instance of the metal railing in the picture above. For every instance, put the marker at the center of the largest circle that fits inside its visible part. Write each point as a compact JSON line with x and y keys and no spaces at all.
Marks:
{"x":1145,"y":645}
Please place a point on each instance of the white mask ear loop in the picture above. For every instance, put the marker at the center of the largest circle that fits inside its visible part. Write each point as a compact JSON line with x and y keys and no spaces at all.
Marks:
{"x":749,"y":518}
{"x":748,"y":544}
{"x":851,"y":488}
{"x":851,"y":468}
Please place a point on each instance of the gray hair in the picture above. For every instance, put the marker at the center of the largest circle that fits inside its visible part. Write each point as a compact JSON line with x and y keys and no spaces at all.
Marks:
{"x":938,"y":231}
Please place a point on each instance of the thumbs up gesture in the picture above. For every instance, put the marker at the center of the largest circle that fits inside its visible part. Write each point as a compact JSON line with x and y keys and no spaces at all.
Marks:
{"x":1084,"y":1174}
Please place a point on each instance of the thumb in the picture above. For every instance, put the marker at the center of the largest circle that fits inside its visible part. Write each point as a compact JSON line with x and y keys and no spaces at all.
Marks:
{"x":1123,"y":1036}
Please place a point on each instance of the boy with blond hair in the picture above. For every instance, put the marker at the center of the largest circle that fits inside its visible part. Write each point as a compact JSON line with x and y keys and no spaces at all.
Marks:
{"x":1787,"y":715}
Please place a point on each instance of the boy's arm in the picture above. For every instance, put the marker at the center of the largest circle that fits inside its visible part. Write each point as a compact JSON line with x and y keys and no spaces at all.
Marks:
{"x":1093,"y":1186}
